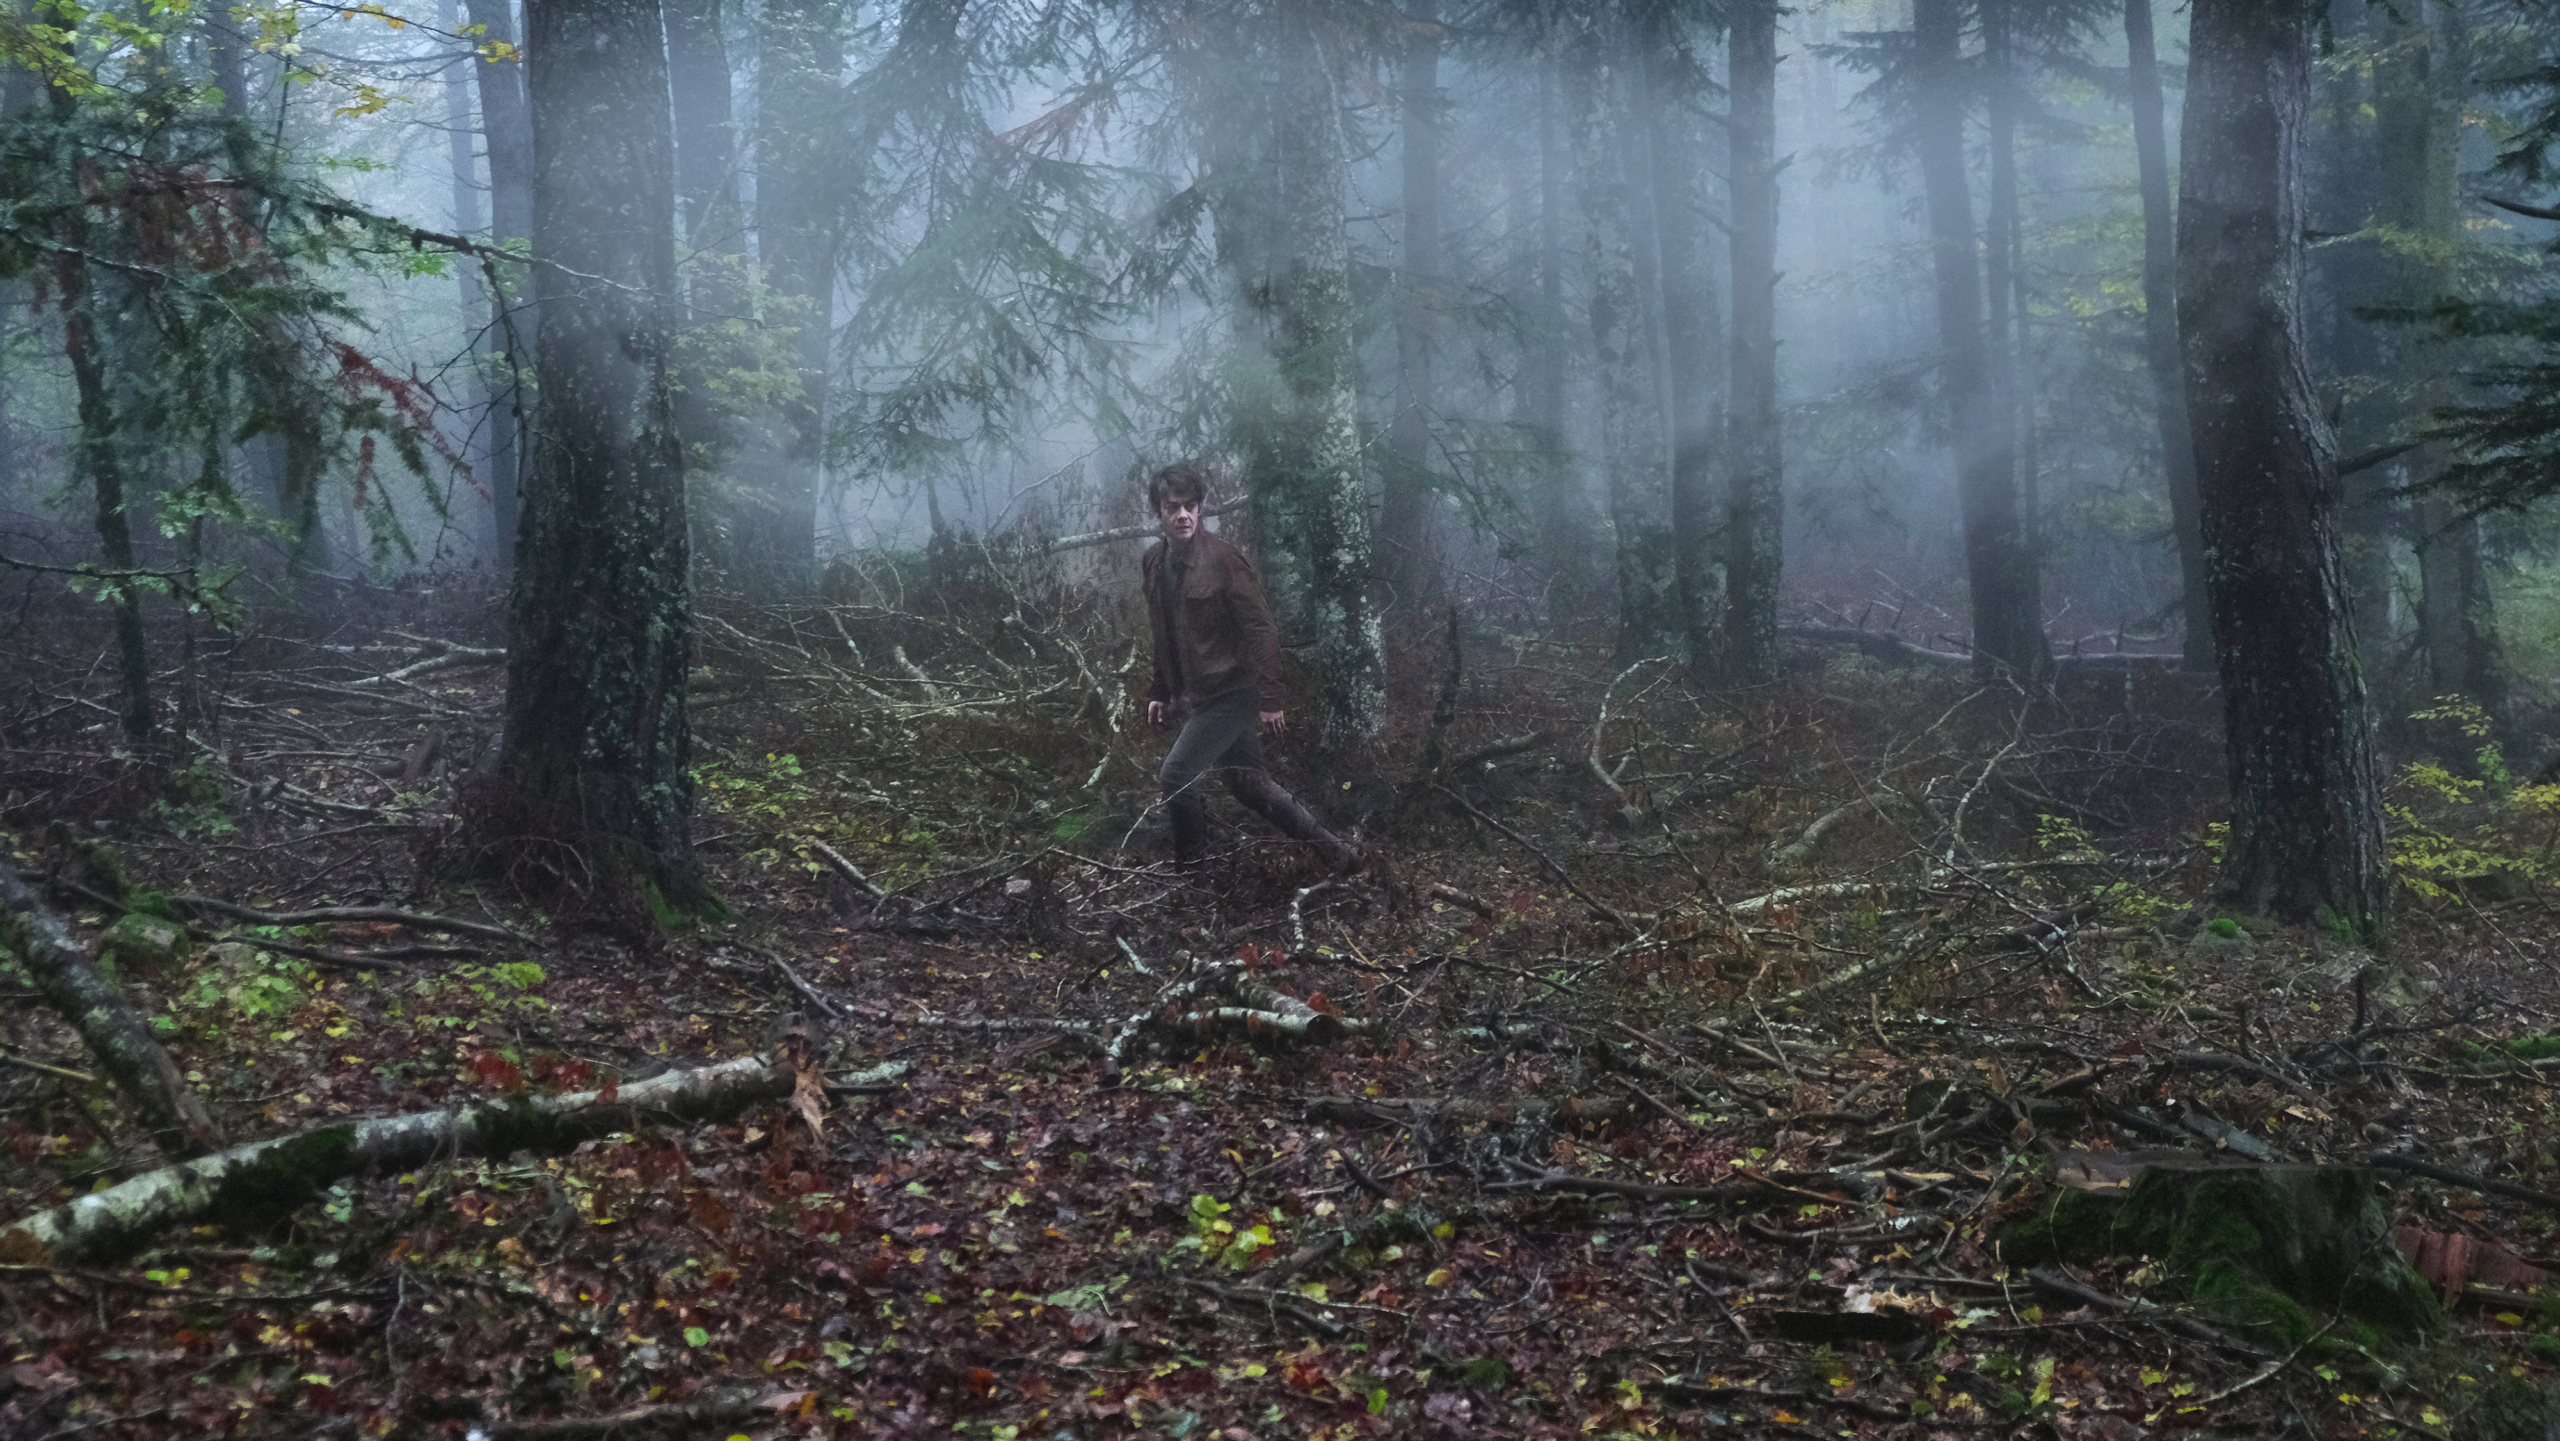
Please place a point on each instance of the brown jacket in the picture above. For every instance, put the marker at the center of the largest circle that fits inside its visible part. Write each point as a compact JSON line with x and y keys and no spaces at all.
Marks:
{"x":1229,"y":639}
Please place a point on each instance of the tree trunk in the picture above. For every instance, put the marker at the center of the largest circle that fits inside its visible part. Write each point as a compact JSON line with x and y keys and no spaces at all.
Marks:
{"x":1692,"y":332}
{"x":122,"y":1042}
{"x":2306,"y":829}
{"x":460,"y":128}
{"x":2418,"y":116}
{"x":1559,"y":504}
{"x":97,"y":447}
{"x":2160,"y":331}
{"x":259,"y":1184}
{"x":1754,"y":502}
{"x":799,"y":71}
{"x":1617,"y":309}
{"x":1405,"y":541}
{"x":1310,"y":501}
{"x":2003,"y":246}
{"x":2000,"y":568}
{"x":596,"y":751}
{"x":709,"y":219}
{"x":515,"y":322}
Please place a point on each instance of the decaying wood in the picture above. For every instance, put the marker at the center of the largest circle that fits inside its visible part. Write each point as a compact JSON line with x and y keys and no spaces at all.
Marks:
{"x":71,"y":982}
{"x":256,"y":1182}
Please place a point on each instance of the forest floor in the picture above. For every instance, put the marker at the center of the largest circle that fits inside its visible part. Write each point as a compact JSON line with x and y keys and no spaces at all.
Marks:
{"x":1776,"y":1063}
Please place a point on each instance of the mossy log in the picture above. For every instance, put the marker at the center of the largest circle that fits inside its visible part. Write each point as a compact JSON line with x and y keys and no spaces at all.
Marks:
{"x":251,"y":1184}
{"x":116,"y":1035}
{"x":2277,"y":1248}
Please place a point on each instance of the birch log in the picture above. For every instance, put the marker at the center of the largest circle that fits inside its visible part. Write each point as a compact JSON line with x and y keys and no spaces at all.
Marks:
{"x":264,"y":1179}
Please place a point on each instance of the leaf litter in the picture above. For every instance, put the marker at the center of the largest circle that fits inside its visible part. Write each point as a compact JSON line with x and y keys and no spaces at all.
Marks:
{"x":1685,"y":1065}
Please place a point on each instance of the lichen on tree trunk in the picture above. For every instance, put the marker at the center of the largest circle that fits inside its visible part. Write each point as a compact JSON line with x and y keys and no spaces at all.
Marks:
{"x":115,"y":1034}
{"x":596,"y":748}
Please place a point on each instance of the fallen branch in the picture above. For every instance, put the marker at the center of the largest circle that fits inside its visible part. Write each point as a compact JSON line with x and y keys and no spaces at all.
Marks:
{"x":263,"y":1179}
{"x":1612,"y":913}
{"x":64,"y":974}
{"x":333,"y":915}
{"x":454,"y":656}
{"x":2451,"y":1177}
{"x":848,"y":869}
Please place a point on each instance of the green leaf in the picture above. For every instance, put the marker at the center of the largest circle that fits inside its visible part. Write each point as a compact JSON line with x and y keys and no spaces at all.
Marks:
{"x":696,"y":1336}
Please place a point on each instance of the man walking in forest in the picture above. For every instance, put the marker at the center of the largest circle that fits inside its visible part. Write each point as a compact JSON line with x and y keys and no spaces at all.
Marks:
{"x":1217,"y":674}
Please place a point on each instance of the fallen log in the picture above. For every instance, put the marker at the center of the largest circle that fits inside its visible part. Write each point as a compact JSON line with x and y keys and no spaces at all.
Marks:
{"x":64,"y":974}
{"x":264,"y":1179}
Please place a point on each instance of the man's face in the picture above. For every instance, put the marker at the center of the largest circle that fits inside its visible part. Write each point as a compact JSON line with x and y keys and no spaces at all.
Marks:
{"x":1181,"y":519}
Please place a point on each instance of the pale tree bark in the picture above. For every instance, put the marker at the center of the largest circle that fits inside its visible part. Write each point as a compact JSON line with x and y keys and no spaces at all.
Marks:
{"x":514,"y":322}
{"x":1617,"y":309}
{"x":253,"y":1186}
{"x":1693,"y":370}
{"x":2000,"y":566}
{"x":1275,"y":159}
{"x":1405,"y":521}
{"x":596,"y":749}
{"x":1314,"y":480}
{"x":2160,"y":331}
{"x":2306,"y":828}
{"x":1754,"y":502}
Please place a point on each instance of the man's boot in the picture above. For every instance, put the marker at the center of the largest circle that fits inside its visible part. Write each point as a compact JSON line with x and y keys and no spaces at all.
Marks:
{"x":1274,"y":803}
{"x":1190,"y":817}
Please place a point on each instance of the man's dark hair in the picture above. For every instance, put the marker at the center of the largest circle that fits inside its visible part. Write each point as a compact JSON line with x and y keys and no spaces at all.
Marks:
{"x":1181,"y":480}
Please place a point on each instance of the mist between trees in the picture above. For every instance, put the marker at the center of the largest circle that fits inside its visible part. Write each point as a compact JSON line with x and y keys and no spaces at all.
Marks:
{"x":1805,"y":524}
{"x":1686,"y":322}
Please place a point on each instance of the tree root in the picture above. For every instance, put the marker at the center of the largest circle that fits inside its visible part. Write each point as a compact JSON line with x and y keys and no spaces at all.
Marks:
{"x":265,"y":1178}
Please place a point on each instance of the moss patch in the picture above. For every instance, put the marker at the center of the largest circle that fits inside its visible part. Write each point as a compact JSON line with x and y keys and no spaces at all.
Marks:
{"x":2276,"y":1249}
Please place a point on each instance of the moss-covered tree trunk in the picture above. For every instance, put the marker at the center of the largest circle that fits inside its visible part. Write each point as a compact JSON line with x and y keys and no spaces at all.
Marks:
{"x":2306,"y":829}
{"x":71,"y":983}
{"x":1277,"y":177}
{"x":600,"y":626}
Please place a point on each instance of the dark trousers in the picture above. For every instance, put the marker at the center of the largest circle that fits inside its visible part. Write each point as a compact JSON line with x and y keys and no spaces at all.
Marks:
{"x":1224,"y":735}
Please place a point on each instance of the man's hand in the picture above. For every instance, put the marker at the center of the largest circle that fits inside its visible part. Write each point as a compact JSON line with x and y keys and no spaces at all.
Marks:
{"x":1155,"y":714}
{"x":1275,"y":721}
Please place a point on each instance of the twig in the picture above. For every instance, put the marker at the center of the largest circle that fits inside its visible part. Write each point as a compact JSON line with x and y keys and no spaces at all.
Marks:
{"x":850,"y":871}
{"x":1616,"y":916}
{"x":28,"y":1063}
